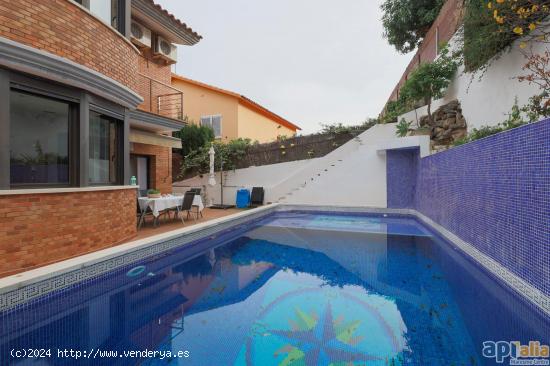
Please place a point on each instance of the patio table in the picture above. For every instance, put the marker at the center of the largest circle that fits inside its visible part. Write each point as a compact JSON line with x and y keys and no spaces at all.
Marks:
{"x":163,"y":203}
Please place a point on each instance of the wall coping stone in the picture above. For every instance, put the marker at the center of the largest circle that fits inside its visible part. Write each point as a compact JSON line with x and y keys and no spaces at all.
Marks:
{"x":13,"y":192}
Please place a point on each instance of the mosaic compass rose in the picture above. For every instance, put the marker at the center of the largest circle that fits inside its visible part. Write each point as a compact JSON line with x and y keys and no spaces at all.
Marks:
{"x":322,"y":341}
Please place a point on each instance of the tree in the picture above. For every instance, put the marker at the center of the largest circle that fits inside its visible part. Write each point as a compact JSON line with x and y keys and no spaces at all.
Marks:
{"x":194,"y":137}
{"x":406,"y":22}
{"x":430,"y":80}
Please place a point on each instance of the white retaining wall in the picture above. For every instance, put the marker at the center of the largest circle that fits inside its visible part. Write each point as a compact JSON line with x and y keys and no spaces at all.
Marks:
{"x":487,"y":99}
{"x":265,"y":176}
{"x":352,"y":175}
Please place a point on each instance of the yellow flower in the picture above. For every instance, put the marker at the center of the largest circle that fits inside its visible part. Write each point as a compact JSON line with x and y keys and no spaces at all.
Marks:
{"x":490,"y":5}
{"x":518,"y":30}
{"x":532,"y":27}
{"x":500,"y":1}
{"x":522,"y":45}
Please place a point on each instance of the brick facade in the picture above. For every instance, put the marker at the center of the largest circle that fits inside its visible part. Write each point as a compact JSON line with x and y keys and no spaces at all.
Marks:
{"x":63,"y":28}
{"x":160,"y":165}
{"x":38,"y":229}
{"x":154,"y":80}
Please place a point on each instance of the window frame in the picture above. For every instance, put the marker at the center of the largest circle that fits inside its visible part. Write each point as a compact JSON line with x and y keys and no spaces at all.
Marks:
{"x":83,"y":102}
{"x":211,"y":118}
{"x":73,"y":134}
{"x":120,"y":17}
{"x":119,"y":131}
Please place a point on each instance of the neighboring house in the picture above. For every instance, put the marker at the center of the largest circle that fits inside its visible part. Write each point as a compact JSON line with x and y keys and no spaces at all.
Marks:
{"x":85,"y":103}
{"x":230,"y":114}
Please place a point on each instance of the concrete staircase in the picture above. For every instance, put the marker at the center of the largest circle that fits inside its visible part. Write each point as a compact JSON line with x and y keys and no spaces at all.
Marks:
{"x":352,"y":175}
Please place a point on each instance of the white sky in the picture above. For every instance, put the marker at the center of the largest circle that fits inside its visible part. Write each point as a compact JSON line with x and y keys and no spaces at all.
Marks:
{"x":310,"y":61}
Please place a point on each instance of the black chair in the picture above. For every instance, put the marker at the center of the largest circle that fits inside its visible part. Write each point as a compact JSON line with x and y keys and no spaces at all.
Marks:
{"x":257,"y":197}
{"x":196,"y":190}
{"x":187,"y":204}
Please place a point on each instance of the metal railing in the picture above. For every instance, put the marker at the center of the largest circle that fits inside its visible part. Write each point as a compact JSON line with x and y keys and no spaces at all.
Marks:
{"x":160,"y":98}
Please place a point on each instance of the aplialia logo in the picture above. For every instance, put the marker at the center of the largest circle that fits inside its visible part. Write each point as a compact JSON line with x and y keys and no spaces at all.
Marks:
{"x":516,"y":353}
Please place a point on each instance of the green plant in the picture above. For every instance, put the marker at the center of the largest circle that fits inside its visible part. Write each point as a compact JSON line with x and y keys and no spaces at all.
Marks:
{"x":431,"y":79}
{"x":229,"y":154}
{"x":153,"y":191}
{"x":194,"y":137}
{"x":490,"y":27}
{"x":393,"y":109}
{"x":406,"y":22}
{"x":514,"y":119}
{"x":402,"y":128}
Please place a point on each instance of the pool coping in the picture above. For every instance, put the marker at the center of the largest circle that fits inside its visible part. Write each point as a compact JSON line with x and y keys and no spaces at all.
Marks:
{"x":18,"y":289}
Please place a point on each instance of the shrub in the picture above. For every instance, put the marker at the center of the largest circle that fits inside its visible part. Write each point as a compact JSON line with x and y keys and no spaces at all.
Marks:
{"x":406,"y":22}
{"x":194,"y":137}
{"x":430,"y":79}
{"x":230,"y":153}
{"x":402,"y":128}
{"x":515,"y":119}
{"x":490,"y":27}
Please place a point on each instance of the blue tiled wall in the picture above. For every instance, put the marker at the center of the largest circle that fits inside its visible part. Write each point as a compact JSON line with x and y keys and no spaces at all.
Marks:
{"x":401,"y":177}
{"x":494,"y":193}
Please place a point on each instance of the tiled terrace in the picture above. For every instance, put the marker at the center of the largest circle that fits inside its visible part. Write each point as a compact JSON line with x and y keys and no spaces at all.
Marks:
{"x":167,"y":225}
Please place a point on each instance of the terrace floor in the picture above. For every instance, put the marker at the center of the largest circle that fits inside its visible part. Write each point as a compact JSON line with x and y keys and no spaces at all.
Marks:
{"x":208,"y":214}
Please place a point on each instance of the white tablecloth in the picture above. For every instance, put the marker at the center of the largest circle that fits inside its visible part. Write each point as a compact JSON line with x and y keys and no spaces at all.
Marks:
{"x":160,"y":204}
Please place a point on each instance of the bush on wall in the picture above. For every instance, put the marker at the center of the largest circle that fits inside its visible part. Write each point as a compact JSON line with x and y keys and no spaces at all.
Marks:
{"x":490,"y":27}
{"x":406,"y":22}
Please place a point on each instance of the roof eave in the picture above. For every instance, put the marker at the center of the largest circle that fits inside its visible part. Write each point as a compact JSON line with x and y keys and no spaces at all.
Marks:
{"x":154,"y":16}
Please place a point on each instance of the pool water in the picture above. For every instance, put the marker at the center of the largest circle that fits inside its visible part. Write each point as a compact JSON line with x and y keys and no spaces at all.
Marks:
{"x":291,"y":289}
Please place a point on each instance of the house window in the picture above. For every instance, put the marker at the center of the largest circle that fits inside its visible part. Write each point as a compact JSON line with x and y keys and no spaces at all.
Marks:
{"x":215,"y":123}
{"x":105,"y":149}
{"x":39,"y":140}
{"x":110,"y":11}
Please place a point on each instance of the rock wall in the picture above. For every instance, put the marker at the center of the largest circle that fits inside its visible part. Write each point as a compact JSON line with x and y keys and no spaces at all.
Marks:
{"x":447,"y":126}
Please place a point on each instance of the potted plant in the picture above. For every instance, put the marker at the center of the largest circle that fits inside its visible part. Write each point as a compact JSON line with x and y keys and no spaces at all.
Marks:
{"x":153,"y":193}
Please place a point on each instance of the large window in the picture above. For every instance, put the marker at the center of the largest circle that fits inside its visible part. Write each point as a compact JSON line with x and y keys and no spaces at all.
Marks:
{"x":215,"y":123}
{"x":39,"y":140}
{"x":105,"y":150}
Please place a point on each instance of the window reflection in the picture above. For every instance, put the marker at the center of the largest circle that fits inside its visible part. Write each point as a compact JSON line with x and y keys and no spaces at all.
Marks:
{"x":39,"y":140}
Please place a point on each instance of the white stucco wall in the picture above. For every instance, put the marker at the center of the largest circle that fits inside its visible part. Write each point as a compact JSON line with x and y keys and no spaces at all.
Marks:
{"x":352,"y":175}
{"x":351,"y":178}
{"x":265,"y":176}
{"x":487,"y":99}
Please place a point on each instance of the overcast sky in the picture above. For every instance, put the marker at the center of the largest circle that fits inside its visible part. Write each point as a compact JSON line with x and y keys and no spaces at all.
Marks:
{"x":310,"y":61}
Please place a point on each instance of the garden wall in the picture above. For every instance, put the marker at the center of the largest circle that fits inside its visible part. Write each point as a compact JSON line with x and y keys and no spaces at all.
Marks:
{"x":493,"y":193}
{"x":288,"y":150}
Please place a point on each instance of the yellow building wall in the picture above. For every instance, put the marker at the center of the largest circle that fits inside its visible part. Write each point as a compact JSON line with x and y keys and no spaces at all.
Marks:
{"x":198,"y":102}
{"x":257,"y":127}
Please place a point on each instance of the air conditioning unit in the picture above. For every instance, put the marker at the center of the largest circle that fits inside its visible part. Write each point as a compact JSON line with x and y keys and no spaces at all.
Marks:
{"x":166,"y":50}
{"x":141,"y":36}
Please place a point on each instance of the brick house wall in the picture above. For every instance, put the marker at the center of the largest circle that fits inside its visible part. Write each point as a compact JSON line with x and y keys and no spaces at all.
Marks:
{"x":39,"y":229}
{"x":160,"y":165}
{"x":154,"y":79}
{"x":63,"y":28}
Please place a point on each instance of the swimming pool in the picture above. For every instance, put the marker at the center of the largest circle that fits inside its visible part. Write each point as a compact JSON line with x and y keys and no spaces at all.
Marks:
{"x":292,"y":288}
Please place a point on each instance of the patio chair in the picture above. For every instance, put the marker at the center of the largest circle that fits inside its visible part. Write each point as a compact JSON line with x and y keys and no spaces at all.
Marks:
{"x":142,"y":214}
{"x":198,"y":193}
{"x":257,"y":197}
{"x":188,"y":205}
